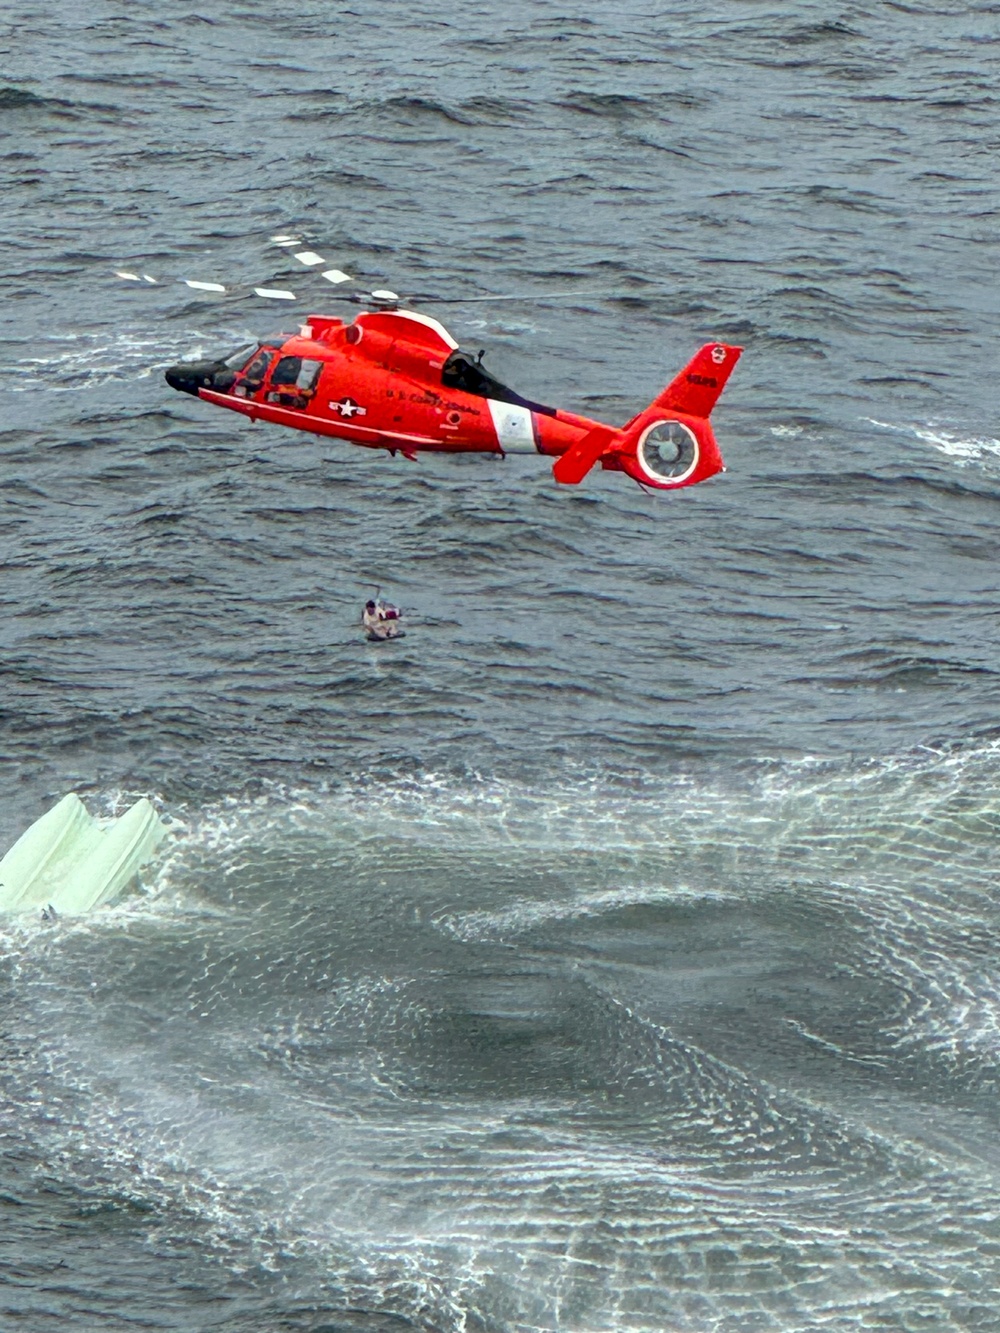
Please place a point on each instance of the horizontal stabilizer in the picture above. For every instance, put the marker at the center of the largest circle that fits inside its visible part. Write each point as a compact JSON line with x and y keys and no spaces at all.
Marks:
{"x":577,"y":461}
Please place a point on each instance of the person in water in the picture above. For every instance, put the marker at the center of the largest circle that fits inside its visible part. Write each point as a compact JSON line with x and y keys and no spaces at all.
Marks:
{"x":380,"y":621}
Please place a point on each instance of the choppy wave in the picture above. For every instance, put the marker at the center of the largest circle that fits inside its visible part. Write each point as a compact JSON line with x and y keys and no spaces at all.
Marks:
{"x":14,"y":99}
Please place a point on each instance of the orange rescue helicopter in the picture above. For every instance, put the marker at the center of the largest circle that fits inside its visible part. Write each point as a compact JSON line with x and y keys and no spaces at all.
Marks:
{"x":396,"y":379}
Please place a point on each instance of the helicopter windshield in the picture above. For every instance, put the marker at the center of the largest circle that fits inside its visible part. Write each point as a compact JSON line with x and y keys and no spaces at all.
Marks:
{"x":238,"y":359}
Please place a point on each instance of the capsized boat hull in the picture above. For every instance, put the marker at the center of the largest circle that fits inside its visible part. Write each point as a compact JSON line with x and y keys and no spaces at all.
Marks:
{"x":69,"y":861}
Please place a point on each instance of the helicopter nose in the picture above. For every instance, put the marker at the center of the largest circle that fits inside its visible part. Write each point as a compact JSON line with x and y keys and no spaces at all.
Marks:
{"x":182,"y":378}
{"x":190,"y":376}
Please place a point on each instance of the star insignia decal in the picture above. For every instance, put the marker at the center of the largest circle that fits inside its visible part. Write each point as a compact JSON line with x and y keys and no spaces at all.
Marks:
{"x":347,"y":407}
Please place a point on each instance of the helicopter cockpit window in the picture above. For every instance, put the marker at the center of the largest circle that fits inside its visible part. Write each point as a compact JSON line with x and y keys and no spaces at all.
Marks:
{"x":286,"y":371}
{"x":294,"y":371}
{"x":238,"y":359}
{"x":253,"y":375}
{"x":308,"y":375}
{"x":293,"y":381}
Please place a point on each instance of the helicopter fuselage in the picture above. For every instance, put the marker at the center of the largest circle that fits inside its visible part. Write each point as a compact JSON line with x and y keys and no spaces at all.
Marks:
{"x":397,"y":380}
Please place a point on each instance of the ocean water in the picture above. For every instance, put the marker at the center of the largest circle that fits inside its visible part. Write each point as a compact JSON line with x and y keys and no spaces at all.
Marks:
{"x":619,"y":950}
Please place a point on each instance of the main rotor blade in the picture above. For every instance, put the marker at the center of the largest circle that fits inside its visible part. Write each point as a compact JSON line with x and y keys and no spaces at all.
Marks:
{"x":308,"y":258}
{"x":311,"y":259}
{"x":336,"y":277}
{"x":218,"y":288}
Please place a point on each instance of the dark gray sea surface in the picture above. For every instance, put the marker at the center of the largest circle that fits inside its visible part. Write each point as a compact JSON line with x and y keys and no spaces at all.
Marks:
{"x":618,"y":951}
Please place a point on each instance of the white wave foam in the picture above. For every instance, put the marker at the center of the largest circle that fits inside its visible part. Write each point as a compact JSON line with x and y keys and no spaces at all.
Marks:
{"x":526,"y":913}
{"x":963,"y":449}
{"x":927,"y":945}
{"x":904,"y":811}
{"x":84,"y":360}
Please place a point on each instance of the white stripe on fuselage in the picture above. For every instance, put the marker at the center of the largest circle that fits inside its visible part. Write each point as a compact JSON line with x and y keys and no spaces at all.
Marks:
{"x":512,"y":423}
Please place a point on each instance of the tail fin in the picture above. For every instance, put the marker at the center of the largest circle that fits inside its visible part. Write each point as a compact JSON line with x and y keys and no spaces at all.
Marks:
{"x":695,"y":391}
